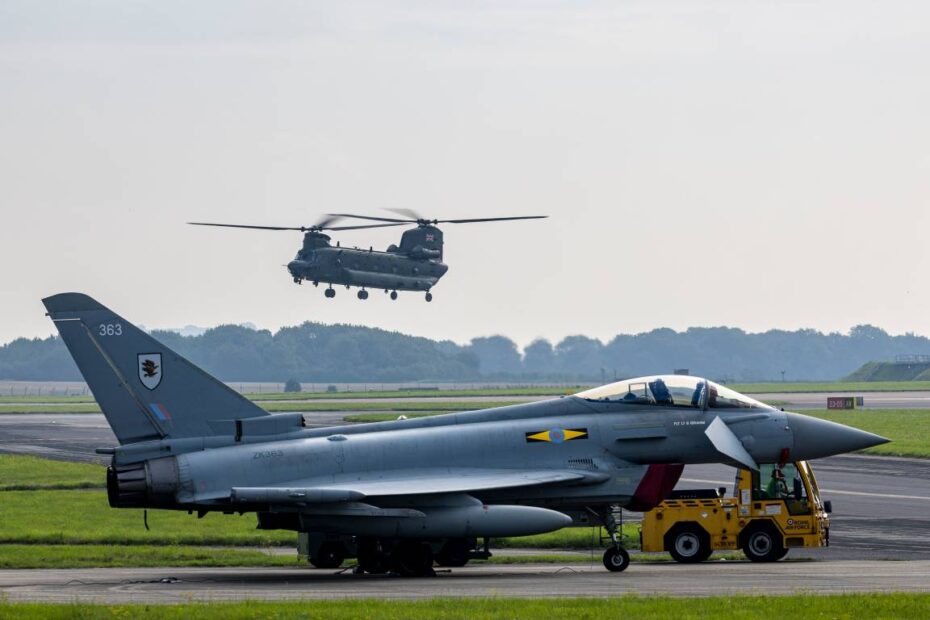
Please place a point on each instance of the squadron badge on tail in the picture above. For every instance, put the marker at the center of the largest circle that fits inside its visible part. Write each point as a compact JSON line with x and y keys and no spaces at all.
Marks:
{"x":150,"y":370}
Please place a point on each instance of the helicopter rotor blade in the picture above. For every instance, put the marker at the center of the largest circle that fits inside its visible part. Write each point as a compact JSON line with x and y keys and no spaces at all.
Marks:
{"x":376,"y":219}
{"x":325,"y":221}
{"x":413,"y":215}
{"x":364,"y":226}
{"x":301,"y":228}
{"x":321,"y":226}
{"x":492,"y":219}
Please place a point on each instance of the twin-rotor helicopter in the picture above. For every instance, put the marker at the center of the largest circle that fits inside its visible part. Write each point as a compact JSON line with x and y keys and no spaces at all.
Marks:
{"x":414,"y":265}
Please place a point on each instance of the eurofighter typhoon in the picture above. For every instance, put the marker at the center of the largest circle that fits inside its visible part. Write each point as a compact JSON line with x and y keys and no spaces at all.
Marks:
{"x":400,"y":495}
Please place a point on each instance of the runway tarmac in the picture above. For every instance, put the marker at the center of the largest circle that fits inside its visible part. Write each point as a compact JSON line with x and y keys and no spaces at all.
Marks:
{"x":177,"y":585}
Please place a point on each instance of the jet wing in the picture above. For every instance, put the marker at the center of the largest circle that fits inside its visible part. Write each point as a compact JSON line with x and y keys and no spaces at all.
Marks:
{"x":410,"y":483}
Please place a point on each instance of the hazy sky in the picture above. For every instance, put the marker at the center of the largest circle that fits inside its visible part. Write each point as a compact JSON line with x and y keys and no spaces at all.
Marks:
{"x":755,"y":164}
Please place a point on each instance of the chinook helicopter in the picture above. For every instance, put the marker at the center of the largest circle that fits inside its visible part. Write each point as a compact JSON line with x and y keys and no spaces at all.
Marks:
{"x":414,"y":265}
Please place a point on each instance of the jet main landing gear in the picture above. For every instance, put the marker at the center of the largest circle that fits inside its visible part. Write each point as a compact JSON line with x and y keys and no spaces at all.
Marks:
{"x":330,"y":292}
{"x":363,"y":294}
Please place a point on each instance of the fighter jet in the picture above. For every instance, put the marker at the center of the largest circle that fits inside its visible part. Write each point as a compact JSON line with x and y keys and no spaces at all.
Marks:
{"x":399,"y":495}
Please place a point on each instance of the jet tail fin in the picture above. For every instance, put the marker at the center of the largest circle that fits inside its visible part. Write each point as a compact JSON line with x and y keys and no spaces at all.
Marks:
{"x":145,"y":390}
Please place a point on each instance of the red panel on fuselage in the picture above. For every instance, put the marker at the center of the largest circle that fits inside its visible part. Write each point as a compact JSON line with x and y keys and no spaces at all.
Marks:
{"x":655,"y":486}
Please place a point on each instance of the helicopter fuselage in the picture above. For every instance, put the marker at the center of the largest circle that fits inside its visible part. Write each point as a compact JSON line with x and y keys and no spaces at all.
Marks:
{"x":414,"y":265}
{"x":414,"y":269}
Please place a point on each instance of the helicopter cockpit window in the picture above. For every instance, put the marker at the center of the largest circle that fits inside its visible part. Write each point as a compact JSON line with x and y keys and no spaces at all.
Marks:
{"x":668,"y":391}
{"x":671,"y":391}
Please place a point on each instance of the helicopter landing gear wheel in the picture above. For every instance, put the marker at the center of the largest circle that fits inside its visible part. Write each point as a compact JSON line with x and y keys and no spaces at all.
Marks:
{"x":363,"y":294}
{"x":330,"y":292}
{"x":393,"y":295}
{"x":429,"y":297}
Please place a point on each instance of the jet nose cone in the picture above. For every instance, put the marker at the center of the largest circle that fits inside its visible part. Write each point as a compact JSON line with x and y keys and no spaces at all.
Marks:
{"x":815,"y":438}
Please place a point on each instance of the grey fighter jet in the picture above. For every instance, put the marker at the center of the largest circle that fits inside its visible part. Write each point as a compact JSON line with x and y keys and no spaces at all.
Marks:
{"x":393,"y":494}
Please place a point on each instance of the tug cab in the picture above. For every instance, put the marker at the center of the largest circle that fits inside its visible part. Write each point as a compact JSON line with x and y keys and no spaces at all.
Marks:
{"x":771,"y":511}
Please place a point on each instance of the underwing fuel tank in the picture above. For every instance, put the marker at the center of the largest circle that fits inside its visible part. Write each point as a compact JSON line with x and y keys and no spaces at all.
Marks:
{"x":477,"y":520}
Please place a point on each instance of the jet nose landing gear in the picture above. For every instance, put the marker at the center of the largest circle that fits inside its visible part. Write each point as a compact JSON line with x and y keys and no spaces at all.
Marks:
{"x":429,"y":297}
{"x":616,"y":558}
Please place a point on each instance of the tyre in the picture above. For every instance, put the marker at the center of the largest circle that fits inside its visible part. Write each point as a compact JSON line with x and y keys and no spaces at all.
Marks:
{"x":688,"y":544}
{"x":371,"y":558}
{"x":454,"y":553}
{"x":616,"y":559}
{"x":412,"y":558}
{"x":763,"y":544}
{"x":329,"y":555}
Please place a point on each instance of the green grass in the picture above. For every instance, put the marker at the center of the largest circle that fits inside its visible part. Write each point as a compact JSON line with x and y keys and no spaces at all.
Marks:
{"x":568,"y":538}
{"x":84,"y":517}
{"x":831,"y":386}
{"x":387,"y":406}
{"x":46,"y":399}
{"x":908,"y":429}
{"x":387,"y":417}
{"x":503,"y":392}
{"x":839,"y":607}
{"x":50,"y":408}
{"x":20,"y":473}
{"x":279,"y":407}
{"x":112,"y":556}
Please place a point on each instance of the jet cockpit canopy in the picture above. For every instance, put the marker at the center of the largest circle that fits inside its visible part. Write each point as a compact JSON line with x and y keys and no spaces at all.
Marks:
{"x":672,"y":391}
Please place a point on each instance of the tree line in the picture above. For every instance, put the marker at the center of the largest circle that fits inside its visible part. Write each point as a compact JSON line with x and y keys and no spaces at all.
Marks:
{"x":313,"y":352}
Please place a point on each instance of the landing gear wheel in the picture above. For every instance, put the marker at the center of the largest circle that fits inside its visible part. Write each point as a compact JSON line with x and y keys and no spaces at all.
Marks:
{"x":412,"y":558}
{"x":393,"y":294}
{"x":454,"y":553}
{"x":372,"y":559}
{"x":329,"y":555}
{"x":763,"y":545}
{"x":689,"y":544}
{"x":429,"y":297}
{"x":297,"y":280}
{"x":616,"y":559}
{"x":330,"y":292}
{"x":363,"y":294}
